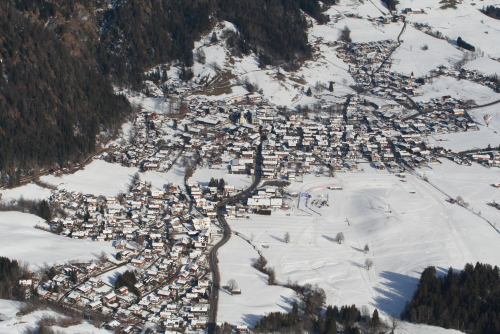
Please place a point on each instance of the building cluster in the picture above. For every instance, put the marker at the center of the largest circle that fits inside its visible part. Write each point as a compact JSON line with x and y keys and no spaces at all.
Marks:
{"x":158,"y":238}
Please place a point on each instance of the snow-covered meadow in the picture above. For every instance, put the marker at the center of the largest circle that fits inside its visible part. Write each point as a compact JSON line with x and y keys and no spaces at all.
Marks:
{"x":20,"y":240}
{"x":407,"y":226}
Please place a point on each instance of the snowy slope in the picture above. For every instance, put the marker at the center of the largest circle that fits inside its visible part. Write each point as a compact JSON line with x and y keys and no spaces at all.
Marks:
{"x":422,"y":229}
{"x":12,"y":323}
{"x":21,"y":241}
{"x":29,"y":191}
{"x":484,"y":65}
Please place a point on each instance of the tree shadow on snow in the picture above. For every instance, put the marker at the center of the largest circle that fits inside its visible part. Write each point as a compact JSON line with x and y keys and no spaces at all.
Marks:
{"x":398,"y":289}
{"x":329,"y":238}
{"x":357,"y":249}
{"x":276,"y":238}
{"x":252,"y":319}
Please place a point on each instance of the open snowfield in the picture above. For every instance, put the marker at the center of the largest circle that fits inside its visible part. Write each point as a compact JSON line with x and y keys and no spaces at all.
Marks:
{"x":203,"y":176}
{"x":410,"y":57}
{"x":466,"y":21}
{"x":107,"y":179}
{"x":421,"y":229}
{"x":20,"y":240}
{"x":110,"y":277}
{"x":98,"y":177}
{"x":484,"y":65}
{"x":29,"y":191}
{"x":257,"y":298}
{"x":473,"y":184}
{"x":11,"y":323}
{"x":462,"y":141}
{"x":459,"y":89}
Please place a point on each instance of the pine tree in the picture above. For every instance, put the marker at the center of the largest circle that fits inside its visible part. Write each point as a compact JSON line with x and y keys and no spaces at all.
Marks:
{"x":222,"y":185}
{"x":45,"y":210}
{"x":331,"y":86}
{"x":375,"y":319}
{"x":309,"y":92}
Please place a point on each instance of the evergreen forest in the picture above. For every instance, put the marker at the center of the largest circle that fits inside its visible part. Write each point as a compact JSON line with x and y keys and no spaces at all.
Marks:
{"x":466,"y":300}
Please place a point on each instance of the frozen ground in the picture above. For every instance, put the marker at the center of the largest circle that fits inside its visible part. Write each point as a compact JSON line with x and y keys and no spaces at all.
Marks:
{"x":411,"y":57}
{"x":417,"y":229}
{"x":462,"y":141}
{"x":110,"y":277}
{"x":98,"y":178}
{"x":459,"y":89}
{"x":484,"y":65}
{"x":102,"y":178}
{"x":473,"y":184}
{"x":203,"y":176}
{"x":19,"y":240}
{"x":10,"y":322}
{"x":29,"y":191}
{"x":466,"y":21}
{"x":257,"y":298}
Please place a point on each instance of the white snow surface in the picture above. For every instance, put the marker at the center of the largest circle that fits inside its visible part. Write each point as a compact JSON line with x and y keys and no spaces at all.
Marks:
{"x":257,"y":298}
{"x":98,"y":178}
{"x":203,"y":176}
{"x":29,"y":191}
{"x":12,"y":323}
{"x":421,"y":229}
{"x":484,"y":65}
{"x":107,"y":179}
{"x":20,"y":240}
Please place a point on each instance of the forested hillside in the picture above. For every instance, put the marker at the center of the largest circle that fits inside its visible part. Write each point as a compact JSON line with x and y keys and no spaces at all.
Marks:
{"x":467,"y":301}
{"x":51,"y":105}
{"x":61,"y":56}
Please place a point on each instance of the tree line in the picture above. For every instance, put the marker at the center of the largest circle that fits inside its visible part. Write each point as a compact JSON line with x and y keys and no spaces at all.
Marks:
{"x":467,"y":300}
{"x":310,"y":317}
{"x":463,"y":44}
{"x":492,"y":11}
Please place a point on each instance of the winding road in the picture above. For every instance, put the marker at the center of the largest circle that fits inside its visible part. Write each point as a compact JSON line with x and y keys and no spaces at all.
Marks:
{"x":214,"y":296}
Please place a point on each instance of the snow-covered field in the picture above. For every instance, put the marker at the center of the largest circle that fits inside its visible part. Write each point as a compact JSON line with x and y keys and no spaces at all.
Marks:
{"x":484,"y":65}
{"x":462,"y":141}
{"x":203,"y":176}
{"x":98,"y":177}
{"x":459,"y":89}
{"x":29,"y":191}
{"x":407,"y":226}
{"x":257,"y":298}
{"x":10,"y":322}
{"x":107,"y":179}
{"x":20,"y":240}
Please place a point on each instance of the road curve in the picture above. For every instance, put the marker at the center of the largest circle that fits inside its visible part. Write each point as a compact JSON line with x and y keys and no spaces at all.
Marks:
{"x":214,"y":296}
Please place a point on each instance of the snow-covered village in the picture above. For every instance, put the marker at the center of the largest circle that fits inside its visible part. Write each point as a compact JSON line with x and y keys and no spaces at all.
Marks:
{"x":241,"y":195}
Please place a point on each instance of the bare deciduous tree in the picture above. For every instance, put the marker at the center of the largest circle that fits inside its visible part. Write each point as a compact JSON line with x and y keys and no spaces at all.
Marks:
{"x":103,"y":257}
{"x":286,"y":238}
{"x":232,"y":285}
{"x":260,"y":264}
{"x":200,"y":54}
{"x":340,"y":237}
{"x":366,"y":249}
{"x":368,"y":264}
{"x":272,"y":276}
